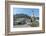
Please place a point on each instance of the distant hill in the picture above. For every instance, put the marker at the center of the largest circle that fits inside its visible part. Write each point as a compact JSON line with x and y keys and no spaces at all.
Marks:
{"x":22,"y":16}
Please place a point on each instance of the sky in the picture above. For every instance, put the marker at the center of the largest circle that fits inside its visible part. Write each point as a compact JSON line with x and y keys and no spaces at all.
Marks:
{"x":27,"y":11}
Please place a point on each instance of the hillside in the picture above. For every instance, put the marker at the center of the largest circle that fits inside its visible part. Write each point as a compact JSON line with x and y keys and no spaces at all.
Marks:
{"x":22,"y":16}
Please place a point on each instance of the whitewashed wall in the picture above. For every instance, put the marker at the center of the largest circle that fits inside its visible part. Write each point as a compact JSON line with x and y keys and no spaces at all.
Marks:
{"x":2,"y":18}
